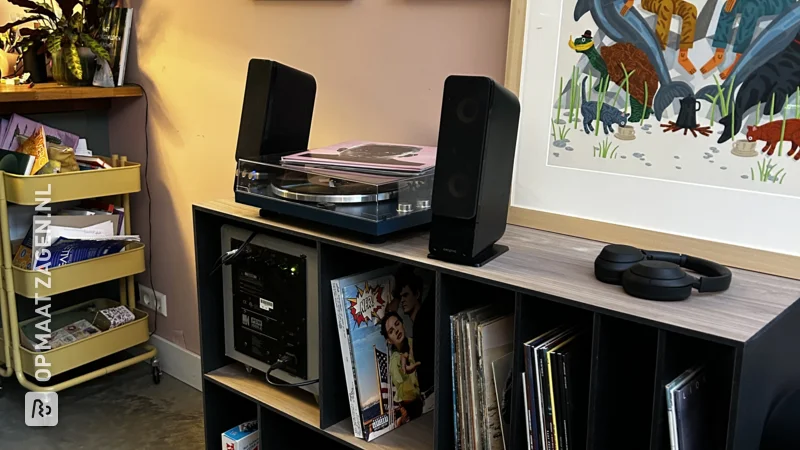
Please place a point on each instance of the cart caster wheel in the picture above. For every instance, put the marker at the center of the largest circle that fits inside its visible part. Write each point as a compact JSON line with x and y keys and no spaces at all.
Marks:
{"x":156,"y":371}
{"x":248,"y":369}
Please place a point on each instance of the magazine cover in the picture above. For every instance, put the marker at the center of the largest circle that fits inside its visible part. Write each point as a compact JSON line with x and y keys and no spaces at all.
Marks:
{"x":22,"y":126}
{"x":385,"y":318}
{"x":398,"y":158}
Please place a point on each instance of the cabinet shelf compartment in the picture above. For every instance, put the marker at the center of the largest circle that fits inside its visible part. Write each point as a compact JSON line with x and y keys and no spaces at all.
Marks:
{"x":84,"y":351}
{"x":63,"y":187}
{"x":81,"y":274}
{"x":677,"y":353}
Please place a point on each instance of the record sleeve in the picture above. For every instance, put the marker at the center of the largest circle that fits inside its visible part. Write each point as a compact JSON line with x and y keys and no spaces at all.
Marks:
{"x":495,"y":339}
{"x":392,"y":158}
{"x":378,"y":353}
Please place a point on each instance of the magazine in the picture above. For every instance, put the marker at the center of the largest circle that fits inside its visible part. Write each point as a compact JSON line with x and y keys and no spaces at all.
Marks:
{"x":115,"y":34}
{"x":22,"y":126}
{"x":376,"y":157}
{"x":385,"y":319}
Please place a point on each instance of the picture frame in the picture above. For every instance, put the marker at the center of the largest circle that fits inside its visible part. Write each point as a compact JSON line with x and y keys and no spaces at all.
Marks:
{"x":721,"y":224}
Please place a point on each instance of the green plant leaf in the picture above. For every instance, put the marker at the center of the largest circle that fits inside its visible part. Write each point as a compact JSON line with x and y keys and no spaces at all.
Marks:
{"x":54,"y":43}
{"x":76,"y":20}
{"x":67,"y":6}
{"x":11,"y":25}
{"x":36,"y":8}
{"x":74,"y":61}
{"x":98,"y":49}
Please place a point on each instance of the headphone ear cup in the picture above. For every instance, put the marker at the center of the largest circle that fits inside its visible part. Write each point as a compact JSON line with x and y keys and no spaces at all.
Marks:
{"x":614,"y":260}
{"x":657,"y":280}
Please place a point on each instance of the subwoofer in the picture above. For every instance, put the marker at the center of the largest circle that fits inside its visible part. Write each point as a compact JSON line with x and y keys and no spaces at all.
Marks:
{"x":474,"y":164}
{"x":277,"y":110}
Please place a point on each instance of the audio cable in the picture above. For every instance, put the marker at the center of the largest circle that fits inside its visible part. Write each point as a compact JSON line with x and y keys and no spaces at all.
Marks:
{"x":227,"y":258}
{"x":280,"y":364}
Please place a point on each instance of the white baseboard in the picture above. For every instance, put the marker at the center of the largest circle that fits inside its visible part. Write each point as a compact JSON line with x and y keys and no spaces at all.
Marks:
{"x":178,"y":362}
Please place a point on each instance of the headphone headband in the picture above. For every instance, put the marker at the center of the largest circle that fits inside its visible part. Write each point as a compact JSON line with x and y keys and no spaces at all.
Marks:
{"x":657,"y":275}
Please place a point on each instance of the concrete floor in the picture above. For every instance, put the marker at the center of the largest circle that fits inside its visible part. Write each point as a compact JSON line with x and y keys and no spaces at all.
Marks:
{"x":121,"y":411}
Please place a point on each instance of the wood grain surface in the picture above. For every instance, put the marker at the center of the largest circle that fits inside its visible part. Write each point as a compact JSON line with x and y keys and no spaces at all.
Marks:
{"x":557,"y":266}
{"x":731,"y":255}
{"x":300,"y":406}
{"x":516,"y":43}
{"x":52,"y":91}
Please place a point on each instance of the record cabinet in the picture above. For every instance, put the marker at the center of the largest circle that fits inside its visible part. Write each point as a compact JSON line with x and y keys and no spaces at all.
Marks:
{"x":746,"y":337}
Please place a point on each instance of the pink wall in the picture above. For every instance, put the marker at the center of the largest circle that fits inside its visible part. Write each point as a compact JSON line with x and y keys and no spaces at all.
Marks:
{"x":380,"y":66}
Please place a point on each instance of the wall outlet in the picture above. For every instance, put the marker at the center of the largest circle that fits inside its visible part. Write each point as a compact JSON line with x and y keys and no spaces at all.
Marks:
{"x":150,"y":298}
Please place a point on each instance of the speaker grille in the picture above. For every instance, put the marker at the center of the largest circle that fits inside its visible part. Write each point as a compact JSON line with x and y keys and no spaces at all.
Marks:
{"x":462,"y":132}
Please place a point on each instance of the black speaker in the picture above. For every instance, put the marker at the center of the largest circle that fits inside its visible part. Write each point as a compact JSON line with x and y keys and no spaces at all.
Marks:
{"x":780,"y":430}
{"x":277,"y":110}
{"x":474,"y":164}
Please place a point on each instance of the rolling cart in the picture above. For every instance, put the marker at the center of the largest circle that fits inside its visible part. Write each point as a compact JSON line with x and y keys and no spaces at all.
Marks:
{"x":120,"y":181}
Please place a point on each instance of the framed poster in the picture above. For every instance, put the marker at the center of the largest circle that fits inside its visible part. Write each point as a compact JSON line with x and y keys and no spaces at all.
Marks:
{"x":666,"y":124}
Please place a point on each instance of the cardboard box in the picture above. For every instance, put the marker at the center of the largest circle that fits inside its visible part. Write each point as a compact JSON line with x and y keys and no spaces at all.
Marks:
{"x":243,"y":437}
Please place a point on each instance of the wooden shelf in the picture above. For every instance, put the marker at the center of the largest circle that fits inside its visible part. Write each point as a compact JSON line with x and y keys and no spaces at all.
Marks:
{"x":417,"y":435}
{"x":562,"y":267}
{"x":51,"y":97}
{"x":300,"y":406}
{"x":294,"y":403}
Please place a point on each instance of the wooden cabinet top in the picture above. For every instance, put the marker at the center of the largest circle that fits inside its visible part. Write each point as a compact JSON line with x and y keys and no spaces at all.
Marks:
{"x":561,"y":268}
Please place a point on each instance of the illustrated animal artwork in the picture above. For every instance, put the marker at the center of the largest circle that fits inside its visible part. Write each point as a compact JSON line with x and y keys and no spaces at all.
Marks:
{"x":771,"y":134}
{"x":664,"y":11}
{"x":609,"y":62}
{"x":608,"y":114}
{"x":634,"y":30}
{"x":778,"y":77}
{"x":750,"y":11}
{"x":769,"y":43}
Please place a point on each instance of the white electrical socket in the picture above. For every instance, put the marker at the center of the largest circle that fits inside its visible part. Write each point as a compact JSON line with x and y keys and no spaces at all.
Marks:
{"x":148,"y":298}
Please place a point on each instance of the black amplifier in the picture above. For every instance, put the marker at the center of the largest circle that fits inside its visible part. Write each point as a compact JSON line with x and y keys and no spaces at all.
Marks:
{"x":271,"y":305}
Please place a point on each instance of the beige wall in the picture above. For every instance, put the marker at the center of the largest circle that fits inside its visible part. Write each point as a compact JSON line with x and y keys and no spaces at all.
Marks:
{"x":379,"y":64}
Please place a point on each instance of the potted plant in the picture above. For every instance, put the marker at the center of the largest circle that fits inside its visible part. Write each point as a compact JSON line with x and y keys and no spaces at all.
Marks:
{"x":28,"y":45}
{"x":70,"y":38}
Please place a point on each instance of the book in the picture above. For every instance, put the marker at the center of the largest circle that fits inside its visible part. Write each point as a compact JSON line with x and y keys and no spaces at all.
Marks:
{"x":16,"y":163}
{"x":376,"y":157}
{"x":92,"y":162}
{"x":68,"y":251}
{"x":115,"y":36}
{"x":376,"y":334}
{"x":22,"y":126}
{"x":3,"y":128}
{"x":495,"y":339}
{"x":501,"y":371}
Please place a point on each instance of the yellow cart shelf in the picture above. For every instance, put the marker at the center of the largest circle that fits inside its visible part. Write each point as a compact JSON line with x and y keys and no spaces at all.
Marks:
{"x":120,"y":180}
{"x":63,"y":187}
{"x":81,"y":274}
{"x":100,"y":345}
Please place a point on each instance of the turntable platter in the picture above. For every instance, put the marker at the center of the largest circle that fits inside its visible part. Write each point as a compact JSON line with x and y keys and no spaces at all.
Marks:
{"x":322,"y":189}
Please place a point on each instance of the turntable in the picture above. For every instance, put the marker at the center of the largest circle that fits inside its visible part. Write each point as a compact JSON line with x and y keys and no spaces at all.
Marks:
{"x":371,"y":204}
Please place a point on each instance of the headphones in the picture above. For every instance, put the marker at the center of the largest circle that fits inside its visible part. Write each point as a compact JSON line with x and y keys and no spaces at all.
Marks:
{"x":658,"y":275}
